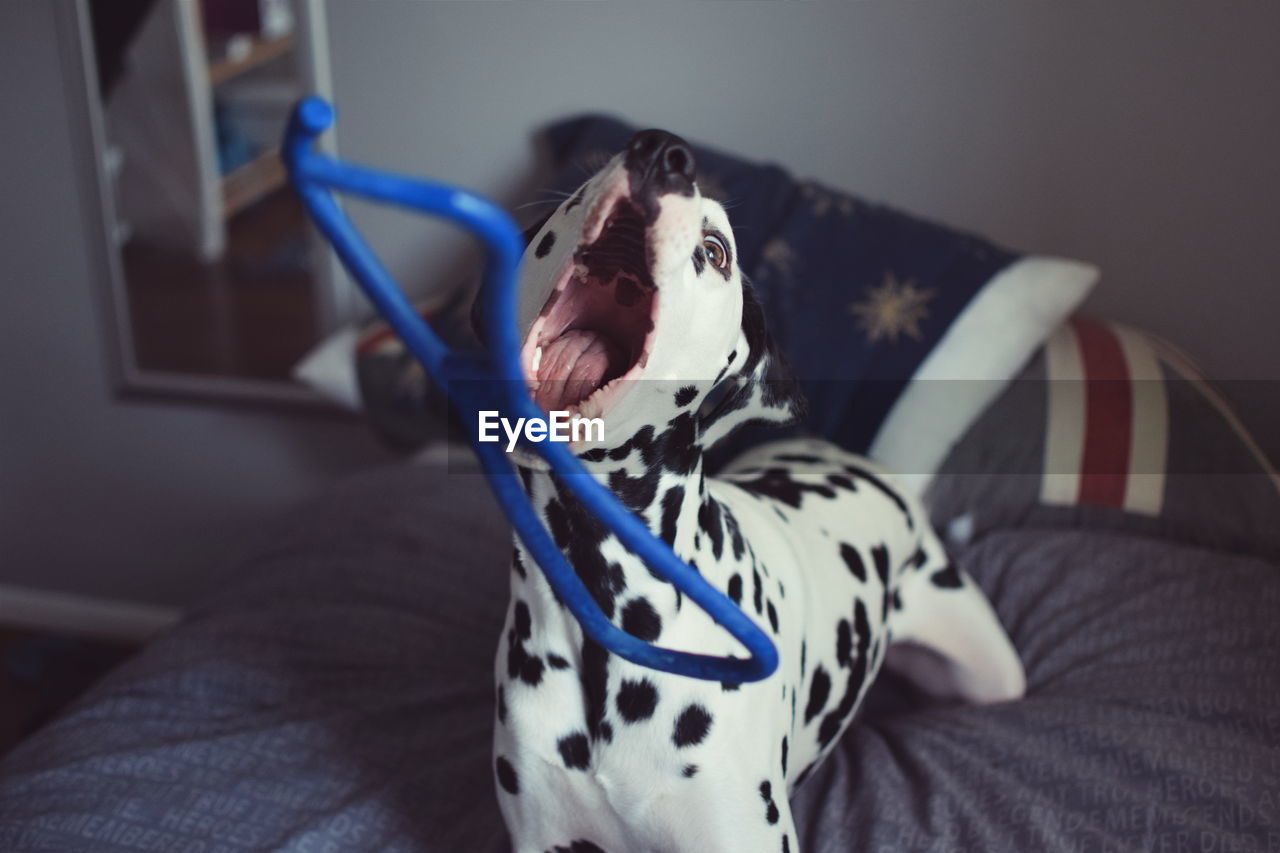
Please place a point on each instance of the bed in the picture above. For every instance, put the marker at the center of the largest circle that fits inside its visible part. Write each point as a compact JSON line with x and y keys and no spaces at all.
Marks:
{"x":337,"y":695}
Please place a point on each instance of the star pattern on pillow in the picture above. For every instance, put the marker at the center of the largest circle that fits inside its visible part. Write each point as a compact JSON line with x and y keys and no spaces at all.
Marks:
{"x":892,"y":310}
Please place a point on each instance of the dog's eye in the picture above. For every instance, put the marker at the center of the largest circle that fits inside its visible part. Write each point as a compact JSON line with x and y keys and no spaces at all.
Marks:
{"x":717,"y":252}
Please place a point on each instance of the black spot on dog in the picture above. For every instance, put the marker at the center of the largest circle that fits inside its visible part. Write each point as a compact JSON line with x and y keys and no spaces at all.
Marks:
{"x":670,"y":512}
{"x":842,"y":482}
{"x":579,"y":535}
{"x":773,"y":616}
{"x":735,"y":535}
{"x":853,"y":560}
{"x":520,"y":664}
{"x":523,"y":622}
{"x":606,"y":732}
{"x":575,"y":751}
{"x":834,"y":721}
{"x":640,"y":620}
{"x":784,"y":755}
{"x":691,"y":726}
{"x":518,"y":564}
{"x":730,"y":686}
{"x":595,"y":454}
{"x":544,"y":245}
{"x":819,"y":690}
{"x":861,"y":625}
{"x":681,"y":450}
{"x":557,"y":662}
{"x":641,"y":441}
{"x":948,"y":578}
{"x":757,"y":592}
{"x":507,"y":775}
{"x":709,"y":522}
{"x":637,"y":700}
{"x":799,"y":457}
{"x":685,"y":395}
{"x":595,"y":685}
{"x":778,"y":484}
{"x":531,"y":669}
{"x":735,"y":589}
{"x":699,"y":260}
{"x":803,"y":655}
{"x":864,"y":474}
{"x":617,"y":578}
{"x":880,"y":559}
{"x":918,"y":559}
{"x":786,"y":844}
{"x":771,"y":808}
{"x":844,"y":642}
{"x":689,"y":771}
{"x":636,"y":493}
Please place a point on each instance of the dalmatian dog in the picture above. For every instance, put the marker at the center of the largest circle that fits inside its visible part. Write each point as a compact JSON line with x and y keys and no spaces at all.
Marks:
{"x":634,"y":310}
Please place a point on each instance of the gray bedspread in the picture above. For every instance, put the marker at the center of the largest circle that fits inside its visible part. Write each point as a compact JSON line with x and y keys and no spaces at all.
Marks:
{"x":337,"y":697}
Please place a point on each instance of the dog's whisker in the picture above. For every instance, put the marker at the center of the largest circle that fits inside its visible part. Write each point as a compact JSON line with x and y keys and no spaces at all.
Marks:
{"x":536,"y":203}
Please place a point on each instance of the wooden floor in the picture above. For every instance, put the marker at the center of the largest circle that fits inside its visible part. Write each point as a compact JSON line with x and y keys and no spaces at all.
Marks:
{"x":250,"y":314}
{"x":41,"y":673}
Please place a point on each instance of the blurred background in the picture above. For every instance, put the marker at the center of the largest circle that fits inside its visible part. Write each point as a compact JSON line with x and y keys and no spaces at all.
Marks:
{"x":159,"y":283}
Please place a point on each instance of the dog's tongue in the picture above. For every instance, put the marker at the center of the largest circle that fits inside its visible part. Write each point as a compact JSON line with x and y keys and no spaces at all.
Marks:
{"x":572,"y":367}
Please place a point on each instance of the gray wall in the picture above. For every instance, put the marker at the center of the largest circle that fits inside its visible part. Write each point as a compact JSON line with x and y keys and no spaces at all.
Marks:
{"x":1137,"y":135}
{"x":1140,"y":135}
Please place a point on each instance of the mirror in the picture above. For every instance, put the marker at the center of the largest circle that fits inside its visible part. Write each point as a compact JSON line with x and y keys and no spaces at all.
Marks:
{"x":219,"y":284}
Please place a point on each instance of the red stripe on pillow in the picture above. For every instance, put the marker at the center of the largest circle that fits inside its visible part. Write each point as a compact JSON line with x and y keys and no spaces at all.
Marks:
{"x":1108,"y":416}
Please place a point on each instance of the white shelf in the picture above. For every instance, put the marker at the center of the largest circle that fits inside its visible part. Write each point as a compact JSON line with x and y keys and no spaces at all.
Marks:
{"x":260,"y":52}
{"x":162,"y":117}
{"x":259,"y":177}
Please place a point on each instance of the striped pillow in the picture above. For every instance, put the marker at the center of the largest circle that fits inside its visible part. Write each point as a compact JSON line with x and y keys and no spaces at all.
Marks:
{"x":1114,"y":428}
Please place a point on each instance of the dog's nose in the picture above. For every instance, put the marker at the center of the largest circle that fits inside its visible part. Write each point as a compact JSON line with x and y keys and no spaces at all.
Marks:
{"x":660,"y":162}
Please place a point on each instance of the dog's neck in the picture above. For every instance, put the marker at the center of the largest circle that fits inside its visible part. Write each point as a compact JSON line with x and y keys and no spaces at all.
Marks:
{"x":658,"y":474}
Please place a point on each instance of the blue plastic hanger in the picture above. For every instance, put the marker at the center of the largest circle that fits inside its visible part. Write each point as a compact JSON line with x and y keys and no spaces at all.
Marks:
{"x":476,"y":383}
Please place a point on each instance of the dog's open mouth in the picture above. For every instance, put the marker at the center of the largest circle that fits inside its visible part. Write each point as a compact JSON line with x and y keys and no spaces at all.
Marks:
{"x":594,"y":330}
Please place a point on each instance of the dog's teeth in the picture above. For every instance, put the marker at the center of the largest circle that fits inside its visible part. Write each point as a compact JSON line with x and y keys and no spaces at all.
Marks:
{"x":537,"y":360}
{"x":580,"y":272}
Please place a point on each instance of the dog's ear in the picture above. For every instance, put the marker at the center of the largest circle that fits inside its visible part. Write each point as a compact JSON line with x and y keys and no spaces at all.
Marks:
{"x":477,"y":319}
{"x":758,"y":386}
